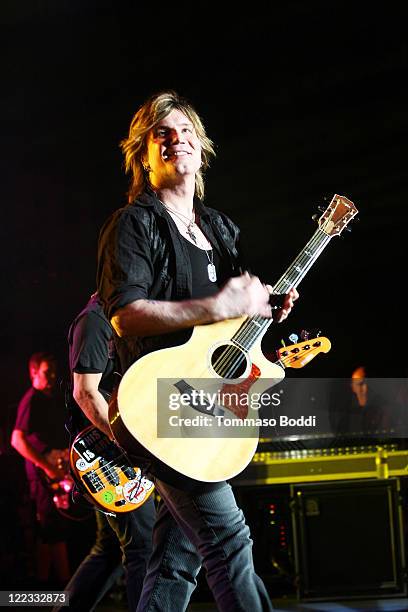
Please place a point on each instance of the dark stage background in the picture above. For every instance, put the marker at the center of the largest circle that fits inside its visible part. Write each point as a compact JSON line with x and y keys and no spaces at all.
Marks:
{"x":303,"y":100}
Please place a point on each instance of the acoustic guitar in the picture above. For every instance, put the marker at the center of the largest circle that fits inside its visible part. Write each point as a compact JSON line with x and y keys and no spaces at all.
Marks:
{"x":195,"y":406}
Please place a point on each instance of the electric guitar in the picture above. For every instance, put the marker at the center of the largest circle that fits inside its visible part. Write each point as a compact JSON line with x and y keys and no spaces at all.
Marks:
{"x":62,"y":486}
{"x":104,"y":473}
{"x":171,"y":403}
{"x":298,"y":355}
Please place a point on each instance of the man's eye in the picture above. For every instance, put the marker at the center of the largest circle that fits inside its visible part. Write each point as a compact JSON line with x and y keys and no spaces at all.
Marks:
{"x":160,"y":132}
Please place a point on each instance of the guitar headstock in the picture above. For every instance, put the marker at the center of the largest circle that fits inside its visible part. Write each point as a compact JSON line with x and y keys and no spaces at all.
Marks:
{"x":298,"y":355}
{"x":337,"y":215}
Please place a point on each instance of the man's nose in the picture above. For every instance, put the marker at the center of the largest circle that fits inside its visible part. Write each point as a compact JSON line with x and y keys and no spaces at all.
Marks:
{"x":176,"y":135}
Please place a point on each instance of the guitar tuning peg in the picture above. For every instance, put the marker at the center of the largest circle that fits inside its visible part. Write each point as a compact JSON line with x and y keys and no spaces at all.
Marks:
{"x":293,"y":338}
{"x":307,"y":334}
{"x":321,"y":208}
{"x":315,"y":217}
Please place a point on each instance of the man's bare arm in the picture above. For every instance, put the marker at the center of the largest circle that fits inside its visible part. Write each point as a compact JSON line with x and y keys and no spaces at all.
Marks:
{"x":91,"y":401}
{"x":242,"y":295}
{"x":22,"y":445}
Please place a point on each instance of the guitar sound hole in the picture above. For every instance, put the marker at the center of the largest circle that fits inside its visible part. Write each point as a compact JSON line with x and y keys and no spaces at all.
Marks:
{"x":229,"y":361}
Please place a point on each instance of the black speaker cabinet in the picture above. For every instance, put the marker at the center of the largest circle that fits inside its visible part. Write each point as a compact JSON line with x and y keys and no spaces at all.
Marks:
{"x":348,"y":539}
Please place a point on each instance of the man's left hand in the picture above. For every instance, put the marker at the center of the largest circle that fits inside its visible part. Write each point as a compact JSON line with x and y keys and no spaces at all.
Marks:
{"x":281,"y":314}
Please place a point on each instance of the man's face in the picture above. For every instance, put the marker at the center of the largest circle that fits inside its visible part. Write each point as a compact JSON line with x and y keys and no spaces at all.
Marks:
{"x":43,"y":377}
{"x":173,"y":150}
{"x":359,"y":385}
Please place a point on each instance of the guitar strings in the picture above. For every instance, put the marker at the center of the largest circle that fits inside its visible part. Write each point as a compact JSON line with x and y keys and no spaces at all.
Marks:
{"x":243,"y":334}
{"x":102,"y":471}
{"x":246,"y":332}
{"x":226,"y":362}
{"x":107,"y":466}
{"x":316,"y":244}
{"x":229,"y":360}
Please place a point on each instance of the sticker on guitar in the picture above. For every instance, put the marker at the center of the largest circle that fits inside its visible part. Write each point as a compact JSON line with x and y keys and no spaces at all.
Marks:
{"x":104,"y":472}
{"x":135,"y":491}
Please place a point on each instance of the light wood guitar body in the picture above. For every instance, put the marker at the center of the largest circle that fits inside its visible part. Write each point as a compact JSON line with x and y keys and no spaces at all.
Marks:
{"x":204,"y":453}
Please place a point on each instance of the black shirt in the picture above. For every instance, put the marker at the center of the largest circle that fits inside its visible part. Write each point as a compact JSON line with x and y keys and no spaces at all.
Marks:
{"x":91,"y":351}
{"x":142,"y":255}
{"x":201,"y":285}
{"x":91,"y":348}
{"x":41,"y":418}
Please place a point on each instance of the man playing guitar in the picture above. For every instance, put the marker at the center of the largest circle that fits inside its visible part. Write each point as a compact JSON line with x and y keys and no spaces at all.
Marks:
{"x":166,"y":264}
{"x":39,"y":436}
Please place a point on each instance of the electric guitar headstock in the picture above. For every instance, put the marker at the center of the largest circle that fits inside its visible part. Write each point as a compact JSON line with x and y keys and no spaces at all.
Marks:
{"x":337,"y":215}
{"x":298,"y":355}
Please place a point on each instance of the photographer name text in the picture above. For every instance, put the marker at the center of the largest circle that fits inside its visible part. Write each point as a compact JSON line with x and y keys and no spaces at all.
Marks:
{"x":222,"y":421}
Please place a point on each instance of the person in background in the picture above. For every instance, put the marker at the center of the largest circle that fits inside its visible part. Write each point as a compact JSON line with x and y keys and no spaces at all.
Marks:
{"x":39,"y":436}
{"x":370,"y":409}
{"x":92,"y":365}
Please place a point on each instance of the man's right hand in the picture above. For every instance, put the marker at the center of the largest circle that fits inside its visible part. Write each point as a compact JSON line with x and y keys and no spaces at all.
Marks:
{"x":242,"y":295}
{"x":53,"y":473}
{"x":56,"y":463}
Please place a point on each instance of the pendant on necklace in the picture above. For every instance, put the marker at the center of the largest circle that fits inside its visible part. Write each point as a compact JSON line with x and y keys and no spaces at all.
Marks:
{"x":191,"y":233}
{"x":212,"y":272}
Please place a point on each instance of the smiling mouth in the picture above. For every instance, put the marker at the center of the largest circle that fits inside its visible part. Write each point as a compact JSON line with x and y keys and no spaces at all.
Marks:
{"x":175,"y":154}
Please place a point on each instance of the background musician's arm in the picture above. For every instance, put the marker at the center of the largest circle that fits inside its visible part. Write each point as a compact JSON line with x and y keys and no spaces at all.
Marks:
{"x":20,"y":442}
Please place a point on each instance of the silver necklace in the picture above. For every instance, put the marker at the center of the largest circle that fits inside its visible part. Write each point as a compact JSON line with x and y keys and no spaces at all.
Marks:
{"x":191,"y":224}
{"x":211,"y":271}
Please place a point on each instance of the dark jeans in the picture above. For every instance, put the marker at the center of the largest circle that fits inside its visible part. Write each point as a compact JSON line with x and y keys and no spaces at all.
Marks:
{"x":101,"y":567}
{"x":215,"y":527}
{"x":97,"y":572}
{"x":173,"y":567}
{"x":134,"y":531}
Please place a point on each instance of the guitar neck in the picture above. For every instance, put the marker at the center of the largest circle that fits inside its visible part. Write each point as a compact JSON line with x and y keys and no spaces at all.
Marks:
{"x":303,"y":262}
{"x":254,"y":327}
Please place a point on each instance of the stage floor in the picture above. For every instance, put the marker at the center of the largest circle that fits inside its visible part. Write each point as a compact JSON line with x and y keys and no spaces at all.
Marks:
{"x":286,"y":605}
{"x":379,"y":605}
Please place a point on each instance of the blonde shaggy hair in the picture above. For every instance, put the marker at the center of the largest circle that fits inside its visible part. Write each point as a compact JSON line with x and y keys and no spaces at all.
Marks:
{"x":146,"y":118}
